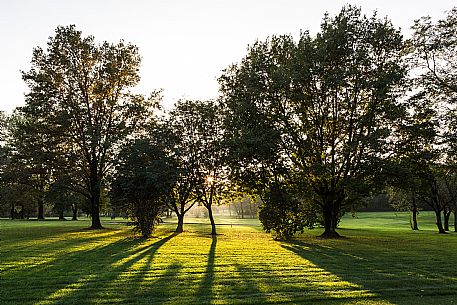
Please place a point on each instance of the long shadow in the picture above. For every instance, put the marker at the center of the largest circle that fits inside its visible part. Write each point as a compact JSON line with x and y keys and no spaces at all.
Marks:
{"x":104,"y":284}
{"x":204,"y":294}
{"x":158,"y":291}
{"x":387,"y":273}
{"x":246,"y":288}
{"x":52,"y":246}
{"x":90,"y":271}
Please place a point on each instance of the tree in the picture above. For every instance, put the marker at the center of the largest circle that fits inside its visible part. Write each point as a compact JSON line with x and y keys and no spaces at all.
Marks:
{"x":195,"y":142}
{"x":79,"y":95}
{"x":32,"y":156}
{"x":435,"y":55}
{"x":208,"y":120}
{"x":416,"y":153}
{"x":433,"y":60}
{"x":176,"y":133}
{"x":64,"y":199}
{"x":245,"y":206}
{"x":317,"y":113}
{"x":451,"y":190}
{"x":143,"y":177}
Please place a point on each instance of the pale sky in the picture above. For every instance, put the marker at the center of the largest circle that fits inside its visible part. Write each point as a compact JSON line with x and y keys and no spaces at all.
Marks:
{"x":184,"y":44}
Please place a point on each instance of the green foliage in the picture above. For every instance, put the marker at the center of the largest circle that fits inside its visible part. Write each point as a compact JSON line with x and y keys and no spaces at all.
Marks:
{"x":79,"y":96}
{"x":199,"y":153}
{"x":144,"y":177}
{"x":317,"y":113}
{"x":283,"y":215}
{"x":429,"y":149}
{"x":434,"y":56}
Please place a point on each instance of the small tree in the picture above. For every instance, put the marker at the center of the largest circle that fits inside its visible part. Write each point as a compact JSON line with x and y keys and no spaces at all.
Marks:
{"x":143,"y":177}
{"x":201,"y":123}
{"x":32,"y":156}
{"x":176,"y":134}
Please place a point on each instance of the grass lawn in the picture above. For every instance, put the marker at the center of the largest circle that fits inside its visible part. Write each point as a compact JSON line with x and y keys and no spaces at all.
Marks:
{"x":380,"y":261}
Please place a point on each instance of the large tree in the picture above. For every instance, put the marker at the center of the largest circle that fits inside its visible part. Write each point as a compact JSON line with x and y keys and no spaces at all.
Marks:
{"x":79,"y":94}
{"x":316,"y":114}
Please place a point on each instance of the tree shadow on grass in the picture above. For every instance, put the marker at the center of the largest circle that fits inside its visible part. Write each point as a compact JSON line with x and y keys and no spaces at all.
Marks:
{"x":236,"y":287}
{"x":80,"y":275}
{"x":204,"y":294}
{"x":58,"y":243}
{"x":384,"y":272}
{"x":106,"y":285}
{"x":246,"y":290}
{"x":158,"y":290}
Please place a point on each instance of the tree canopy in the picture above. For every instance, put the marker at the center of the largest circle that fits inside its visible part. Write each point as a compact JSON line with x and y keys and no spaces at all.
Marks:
{"x":79,"y":94}
{"x":317,"y":113}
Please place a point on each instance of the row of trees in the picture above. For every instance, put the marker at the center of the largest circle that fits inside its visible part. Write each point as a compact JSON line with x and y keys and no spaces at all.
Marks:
{"x":310,"y":127}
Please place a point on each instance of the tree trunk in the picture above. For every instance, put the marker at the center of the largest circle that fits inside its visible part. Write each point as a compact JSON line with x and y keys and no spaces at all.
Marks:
{"x":211,"y":219}
{"x":13,"y":213}
{"x":439,"y":223}
{"x":61,"y":217}
{"x":95,"y":211}
{"x":74,"y":209}
{"x":455,"y":221}
{"x":414,"y":213}
{"x":40,"y":209}
{"x":331,"y":202}
{"x":180,"y":227}
{"x":447,"y":215}
{"x":330,"y":221}
{"x":95,"y":200}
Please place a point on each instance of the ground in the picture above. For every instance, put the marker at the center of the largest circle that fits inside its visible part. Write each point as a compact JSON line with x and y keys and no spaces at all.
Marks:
{"x":381,"y":261}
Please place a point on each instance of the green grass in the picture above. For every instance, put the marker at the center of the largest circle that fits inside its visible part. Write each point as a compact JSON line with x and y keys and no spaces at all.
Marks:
{"x":380,"y":261}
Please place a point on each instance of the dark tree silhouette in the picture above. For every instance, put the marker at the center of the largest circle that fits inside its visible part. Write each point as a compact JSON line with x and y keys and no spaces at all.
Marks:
{"x":79,"y":94}
{"x":316,"y":113}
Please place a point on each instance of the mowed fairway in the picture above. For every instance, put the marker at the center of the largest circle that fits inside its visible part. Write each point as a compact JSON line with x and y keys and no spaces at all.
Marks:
{"x":380,"y":262}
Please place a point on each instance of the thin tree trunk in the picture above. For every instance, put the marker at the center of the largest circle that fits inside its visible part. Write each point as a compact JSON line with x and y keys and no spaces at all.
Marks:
{"x":13,"y":213}
{"x":455,"y":221}
{"x":40,"y":209}
{"x":74,"y":209}
{"x":211,"y":219}
{"x":414,"y":213}
{"x":439,"y":223}
{"x":95,"y":202}
{"x":210,"y":211}
{"x":447,"y":215}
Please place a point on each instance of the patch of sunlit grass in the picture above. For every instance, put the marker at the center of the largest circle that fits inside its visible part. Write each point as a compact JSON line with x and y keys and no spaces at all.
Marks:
{"x":380,"y":262}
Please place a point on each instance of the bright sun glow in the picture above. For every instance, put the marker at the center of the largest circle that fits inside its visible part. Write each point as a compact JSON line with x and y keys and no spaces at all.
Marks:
{"x":193,"y":53}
